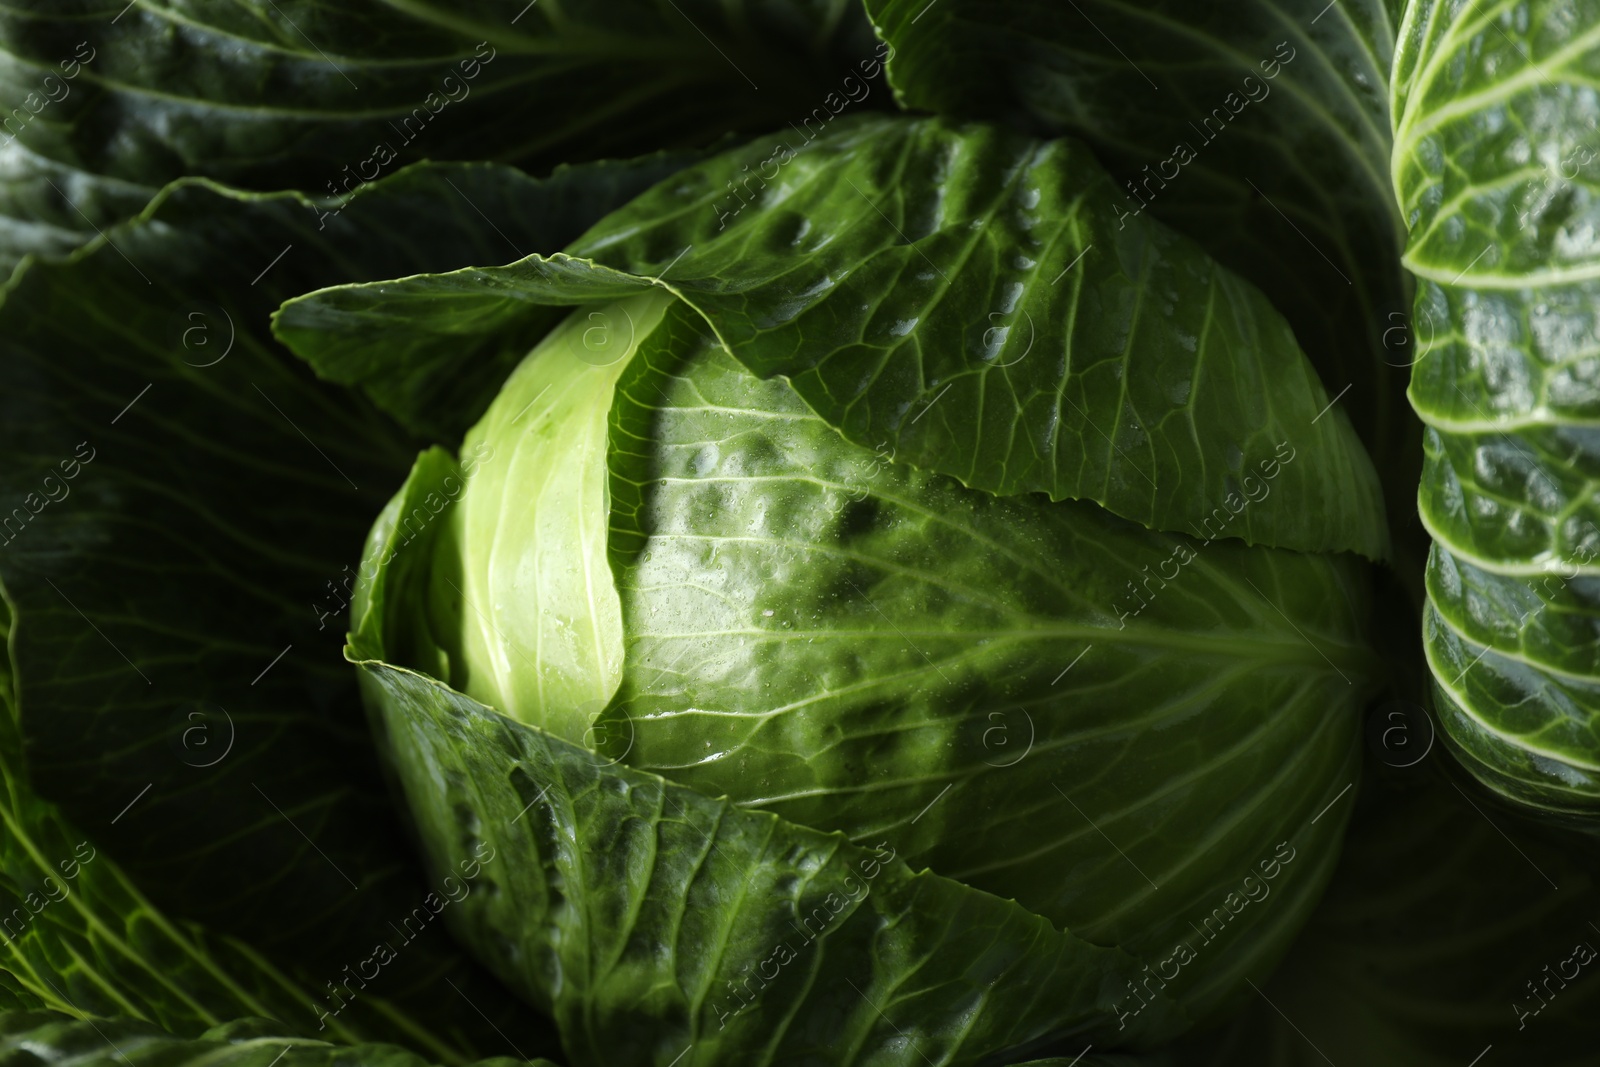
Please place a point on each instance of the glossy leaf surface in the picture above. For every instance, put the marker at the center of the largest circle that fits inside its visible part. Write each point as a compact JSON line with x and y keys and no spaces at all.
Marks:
{"x":1038,"y":700}
{"x":1018,"y":366}
{"x":105,"y":102}
{"x":651,"y":918}
{"x":1260,"y":128}
{"x":1497,"y":169}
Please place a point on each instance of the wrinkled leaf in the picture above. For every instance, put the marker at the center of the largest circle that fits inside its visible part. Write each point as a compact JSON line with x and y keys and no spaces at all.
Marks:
{"x":1260,"y":128}
{"x":1497,"y":168}
{"x":326,"y":97}
{"x":972,"y":300}
{"x":1038,"y":700}
{"x":1146,"y":366}
{"x":651,"y":919}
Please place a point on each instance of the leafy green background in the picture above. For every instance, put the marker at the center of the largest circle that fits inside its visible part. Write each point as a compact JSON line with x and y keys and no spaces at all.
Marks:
{"x":254,"y":804}
{"x":300,"y":93}
{"x":242,"y":92}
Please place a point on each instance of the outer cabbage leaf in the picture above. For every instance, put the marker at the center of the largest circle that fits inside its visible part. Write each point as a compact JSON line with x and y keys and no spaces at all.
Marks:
{"x":106,"y":101}
{"x":996,"y":686}
{"x":907,"y":277}
{"x":1260,"y":128}
{"x":647,"y":915}
{"x":765,"y":457}
{"x":179,"y":680}
{"x":1020,"y":340}
{"x":437,"y":392}
{"x":1307,"y":135}
{"x":1497,"y":168}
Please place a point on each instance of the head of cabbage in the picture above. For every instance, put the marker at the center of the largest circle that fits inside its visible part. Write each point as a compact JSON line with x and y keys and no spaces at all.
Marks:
{"x":735,"y":593}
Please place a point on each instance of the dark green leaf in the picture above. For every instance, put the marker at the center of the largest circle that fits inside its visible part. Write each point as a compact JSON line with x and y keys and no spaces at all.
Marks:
{"x":979,"y":302}
{"x":1173,"y":372}
{"x":652,"y":919}
{"x":1442,"y":938}
{"x":438,"y":384}
{"x":1497,"y":167}
{"x":1260,"y":128}
{"x":181,"y":509}
{"x":77,"y":936}
{"x":1037,"y":700}
{"x":327,"y":96}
